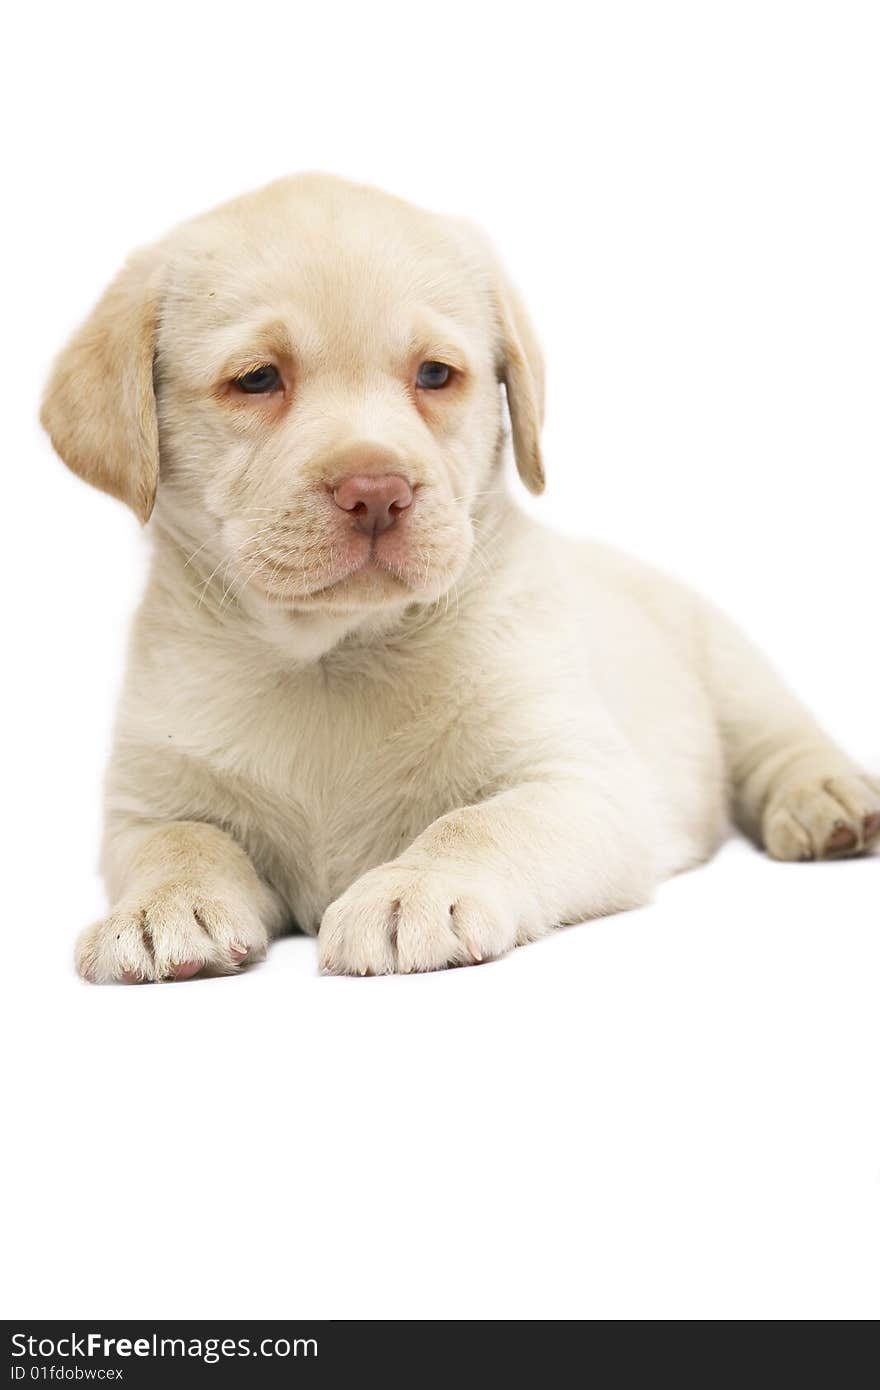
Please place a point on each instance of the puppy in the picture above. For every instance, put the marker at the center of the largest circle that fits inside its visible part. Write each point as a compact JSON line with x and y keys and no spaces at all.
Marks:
{"x":366,"y":697}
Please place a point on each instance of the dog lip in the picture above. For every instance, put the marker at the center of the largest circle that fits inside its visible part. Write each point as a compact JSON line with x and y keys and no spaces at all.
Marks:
{"x":371,"y":564}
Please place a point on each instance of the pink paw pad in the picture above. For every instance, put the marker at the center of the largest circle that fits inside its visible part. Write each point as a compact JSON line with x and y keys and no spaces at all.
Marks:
{"x":840,"y":840}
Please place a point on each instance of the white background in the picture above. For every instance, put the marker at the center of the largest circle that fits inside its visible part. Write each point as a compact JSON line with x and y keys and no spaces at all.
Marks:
{"x":670,"y":1114}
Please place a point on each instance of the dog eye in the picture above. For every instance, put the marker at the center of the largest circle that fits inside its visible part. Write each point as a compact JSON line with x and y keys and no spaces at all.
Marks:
{"x":433,"y":375}
{"x":260,"y":381}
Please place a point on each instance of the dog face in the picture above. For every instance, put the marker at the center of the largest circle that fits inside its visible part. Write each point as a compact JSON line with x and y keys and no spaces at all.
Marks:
{"x":305,"y":382}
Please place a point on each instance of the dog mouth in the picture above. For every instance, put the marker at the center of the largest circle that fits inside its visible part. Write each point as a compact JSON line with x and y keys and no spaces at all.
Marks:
{"x":354,"y":571}
{"x":361,"y":582}
{"x":366,"y":578}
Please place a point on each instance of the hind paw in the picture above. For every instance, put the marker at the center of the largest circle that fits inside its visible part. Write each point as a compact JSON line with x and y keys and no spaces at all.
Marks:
{"x":830,"y":818}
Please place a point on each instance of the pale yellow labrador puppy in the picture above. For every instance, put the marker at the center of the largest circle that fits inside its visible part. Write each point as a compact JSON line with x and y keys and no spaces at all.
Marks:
{"x":365,"y":695}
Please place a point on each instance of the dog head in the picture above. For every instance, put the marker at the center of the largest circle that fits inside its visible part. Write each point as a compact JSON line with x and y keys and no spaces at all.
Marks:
{"x":304,"y":383}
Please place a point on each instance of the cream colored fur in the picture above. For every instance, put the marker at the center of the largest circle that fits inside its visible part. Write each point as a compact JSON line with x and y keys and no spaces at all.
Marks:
{"x":429,"y":751}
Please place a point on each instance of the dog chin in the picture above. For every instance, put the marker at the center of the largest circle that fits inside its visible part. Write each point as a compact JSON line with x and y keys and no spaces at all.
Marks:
{"x":305,"y":628}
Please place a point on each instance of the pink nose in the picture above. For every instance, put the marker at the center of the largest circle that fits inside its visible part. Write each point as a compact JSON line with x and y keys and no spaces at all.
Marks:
{"x":375,"y":503}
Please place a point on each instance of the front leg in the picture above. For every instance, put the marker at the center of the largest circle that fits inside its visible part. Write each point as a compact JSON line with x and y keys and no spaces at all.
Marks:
{"x":187,"y":899}
{"x":488,"y":877}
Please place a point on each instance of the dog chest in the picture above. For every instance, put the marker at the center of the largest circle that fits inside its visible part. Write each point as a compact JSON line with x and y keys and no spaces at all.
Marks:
{"x":322,"y":779}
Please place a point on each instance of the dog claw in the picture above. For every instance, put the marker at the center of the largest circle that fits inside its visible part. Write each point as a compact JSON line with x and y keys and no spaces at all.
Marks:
{"x":186,"y":969}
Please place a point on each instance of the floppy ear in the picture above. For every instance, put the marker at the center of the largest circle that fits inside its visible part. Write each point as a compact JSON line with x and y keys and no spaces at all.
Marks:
{"x":99,"y":409}
{"x":522,"y":371}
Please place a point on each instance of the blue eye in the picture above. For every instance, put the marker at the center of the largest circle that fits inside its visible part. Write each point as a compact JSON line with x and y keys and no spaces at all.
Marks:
{"x":433,"y":375}
{"x":260,"y":381}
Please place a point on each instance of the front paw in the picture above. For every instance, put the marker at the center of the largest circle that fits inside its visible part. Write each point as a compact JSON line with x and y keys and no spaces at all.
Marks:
{"x":400,"y":918}
{"x":171,"y":933}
